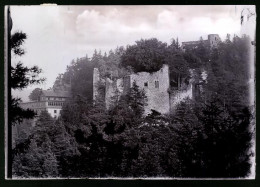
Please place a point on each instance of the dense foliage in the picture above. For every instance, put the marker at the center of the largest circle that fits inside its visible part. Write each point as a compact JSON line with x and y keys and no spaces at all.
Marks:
{"x":145,"y":55}
{"x":149,"y":55}
{"x":21,"y":77}
{"x":209,"y":136}
{"x":35,"y":94}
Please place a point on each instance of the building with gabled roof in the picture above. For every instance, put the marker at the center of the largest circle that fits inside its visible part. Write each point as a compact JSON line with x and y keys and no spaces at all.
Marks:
{"x":211,"y":42}
{"x":50,"y":101}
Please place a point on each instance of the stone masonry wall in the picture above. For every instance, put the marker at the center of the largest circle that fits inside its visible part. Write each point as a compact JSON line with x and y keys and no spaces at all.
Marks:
{"x":112,"y":86}
{"x":213,"y":40}
{"x":156,"y":86}
{"x":96,"y":79}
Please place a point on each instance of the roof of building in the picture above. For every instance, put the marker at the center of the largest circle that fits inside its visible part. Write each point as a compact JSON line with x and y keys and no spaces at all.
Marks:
{"x":51,"y":93}
{"x":194,"y":42}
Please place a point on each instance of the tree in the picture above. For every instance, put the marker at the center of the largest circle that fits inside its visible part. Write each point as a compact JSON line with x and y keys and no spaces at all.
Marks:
{"x":220,"y":147}
{"x":145,"y":55}
{"x":111,"y":67}
{"x":136,"y":100}
{"x":211,"y":141}
{"x":99,"y":133}
{"x":129,"y":109}
{"x":227,"y":141}
{"x":38,"y":161}
{"x":229,"y":73}
{"x":18,"y":114}
{"x":21,"y":77}
{"x":184,"y":158}
{"x":17,"y":40}
{"x":79,"y":75}
{"x":34,"y":161}
{"x":51,"y":150}
{"x":178,"y":66}
{"x":35,"y":94}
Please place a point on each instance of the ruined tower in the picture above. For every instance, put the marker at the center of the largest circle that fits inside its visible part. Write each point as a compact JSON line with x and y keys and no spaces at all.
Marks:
{"x":156,"y":86}
{"x":96,"y":79}
{"x":213,"y":40}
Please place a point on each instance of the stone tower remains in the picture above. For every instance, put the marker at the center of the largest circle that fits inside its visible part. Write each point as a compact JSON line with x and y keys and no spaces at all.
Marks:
{"x":96,"y":79}
{"x":213,"y":40}
{"x":156,"y":86}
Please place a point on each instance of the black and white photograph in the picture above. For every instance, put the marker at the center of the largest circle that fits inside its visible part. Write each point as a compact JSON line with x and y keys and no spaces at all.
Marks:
{"x":130,"y":92}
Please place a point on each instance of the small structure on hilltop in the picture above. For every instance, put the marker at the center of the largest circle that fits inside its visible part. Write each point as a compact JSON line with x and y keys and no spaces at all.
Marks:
{"x":156,"y":86}
{"x":211,"y":42}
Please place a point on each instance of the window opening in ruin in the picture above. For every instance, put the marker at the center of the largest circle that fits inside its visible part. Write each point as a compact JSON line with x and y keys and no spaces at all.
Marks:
{"x":156,"y":84}
{"x":55,"y":111}
{"x":146,"y":84}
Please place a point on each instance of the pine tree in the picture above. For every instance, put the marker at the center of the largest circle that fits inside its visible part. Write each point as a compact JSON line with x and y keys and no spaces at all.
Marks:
{"x":21,"y":77}
{"x":136,"y":100}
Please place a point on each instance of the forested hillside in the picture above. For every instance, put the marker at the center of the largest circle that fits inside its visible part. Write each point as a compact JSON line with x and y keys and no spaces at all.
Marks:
{"x":209,"y":136}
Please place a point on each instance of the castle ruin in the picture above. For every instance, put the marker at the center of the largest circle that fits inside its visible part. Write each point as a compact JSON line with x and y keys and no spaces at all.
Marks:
{"x":211,"y":42}
{"x":156,"y":86}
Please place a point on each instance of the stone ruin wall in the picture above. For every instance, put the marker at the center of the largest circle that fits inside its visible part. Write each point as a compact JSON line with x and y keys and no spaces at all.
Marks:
{"x":96,"y":79}
{"x":158,"y":98}
{"x":213,"y":40}
{"x":113,"y":86}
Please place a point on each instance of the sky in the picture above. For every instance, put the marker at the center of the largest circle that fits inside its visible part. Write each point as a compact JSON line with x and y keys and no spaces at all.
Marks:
{"x":59,"y":34}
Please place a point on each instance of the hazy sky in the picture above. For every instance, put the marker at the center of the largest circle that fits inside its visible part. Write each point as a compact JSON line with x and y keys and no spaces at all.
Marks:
{"x":58,"y":34}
